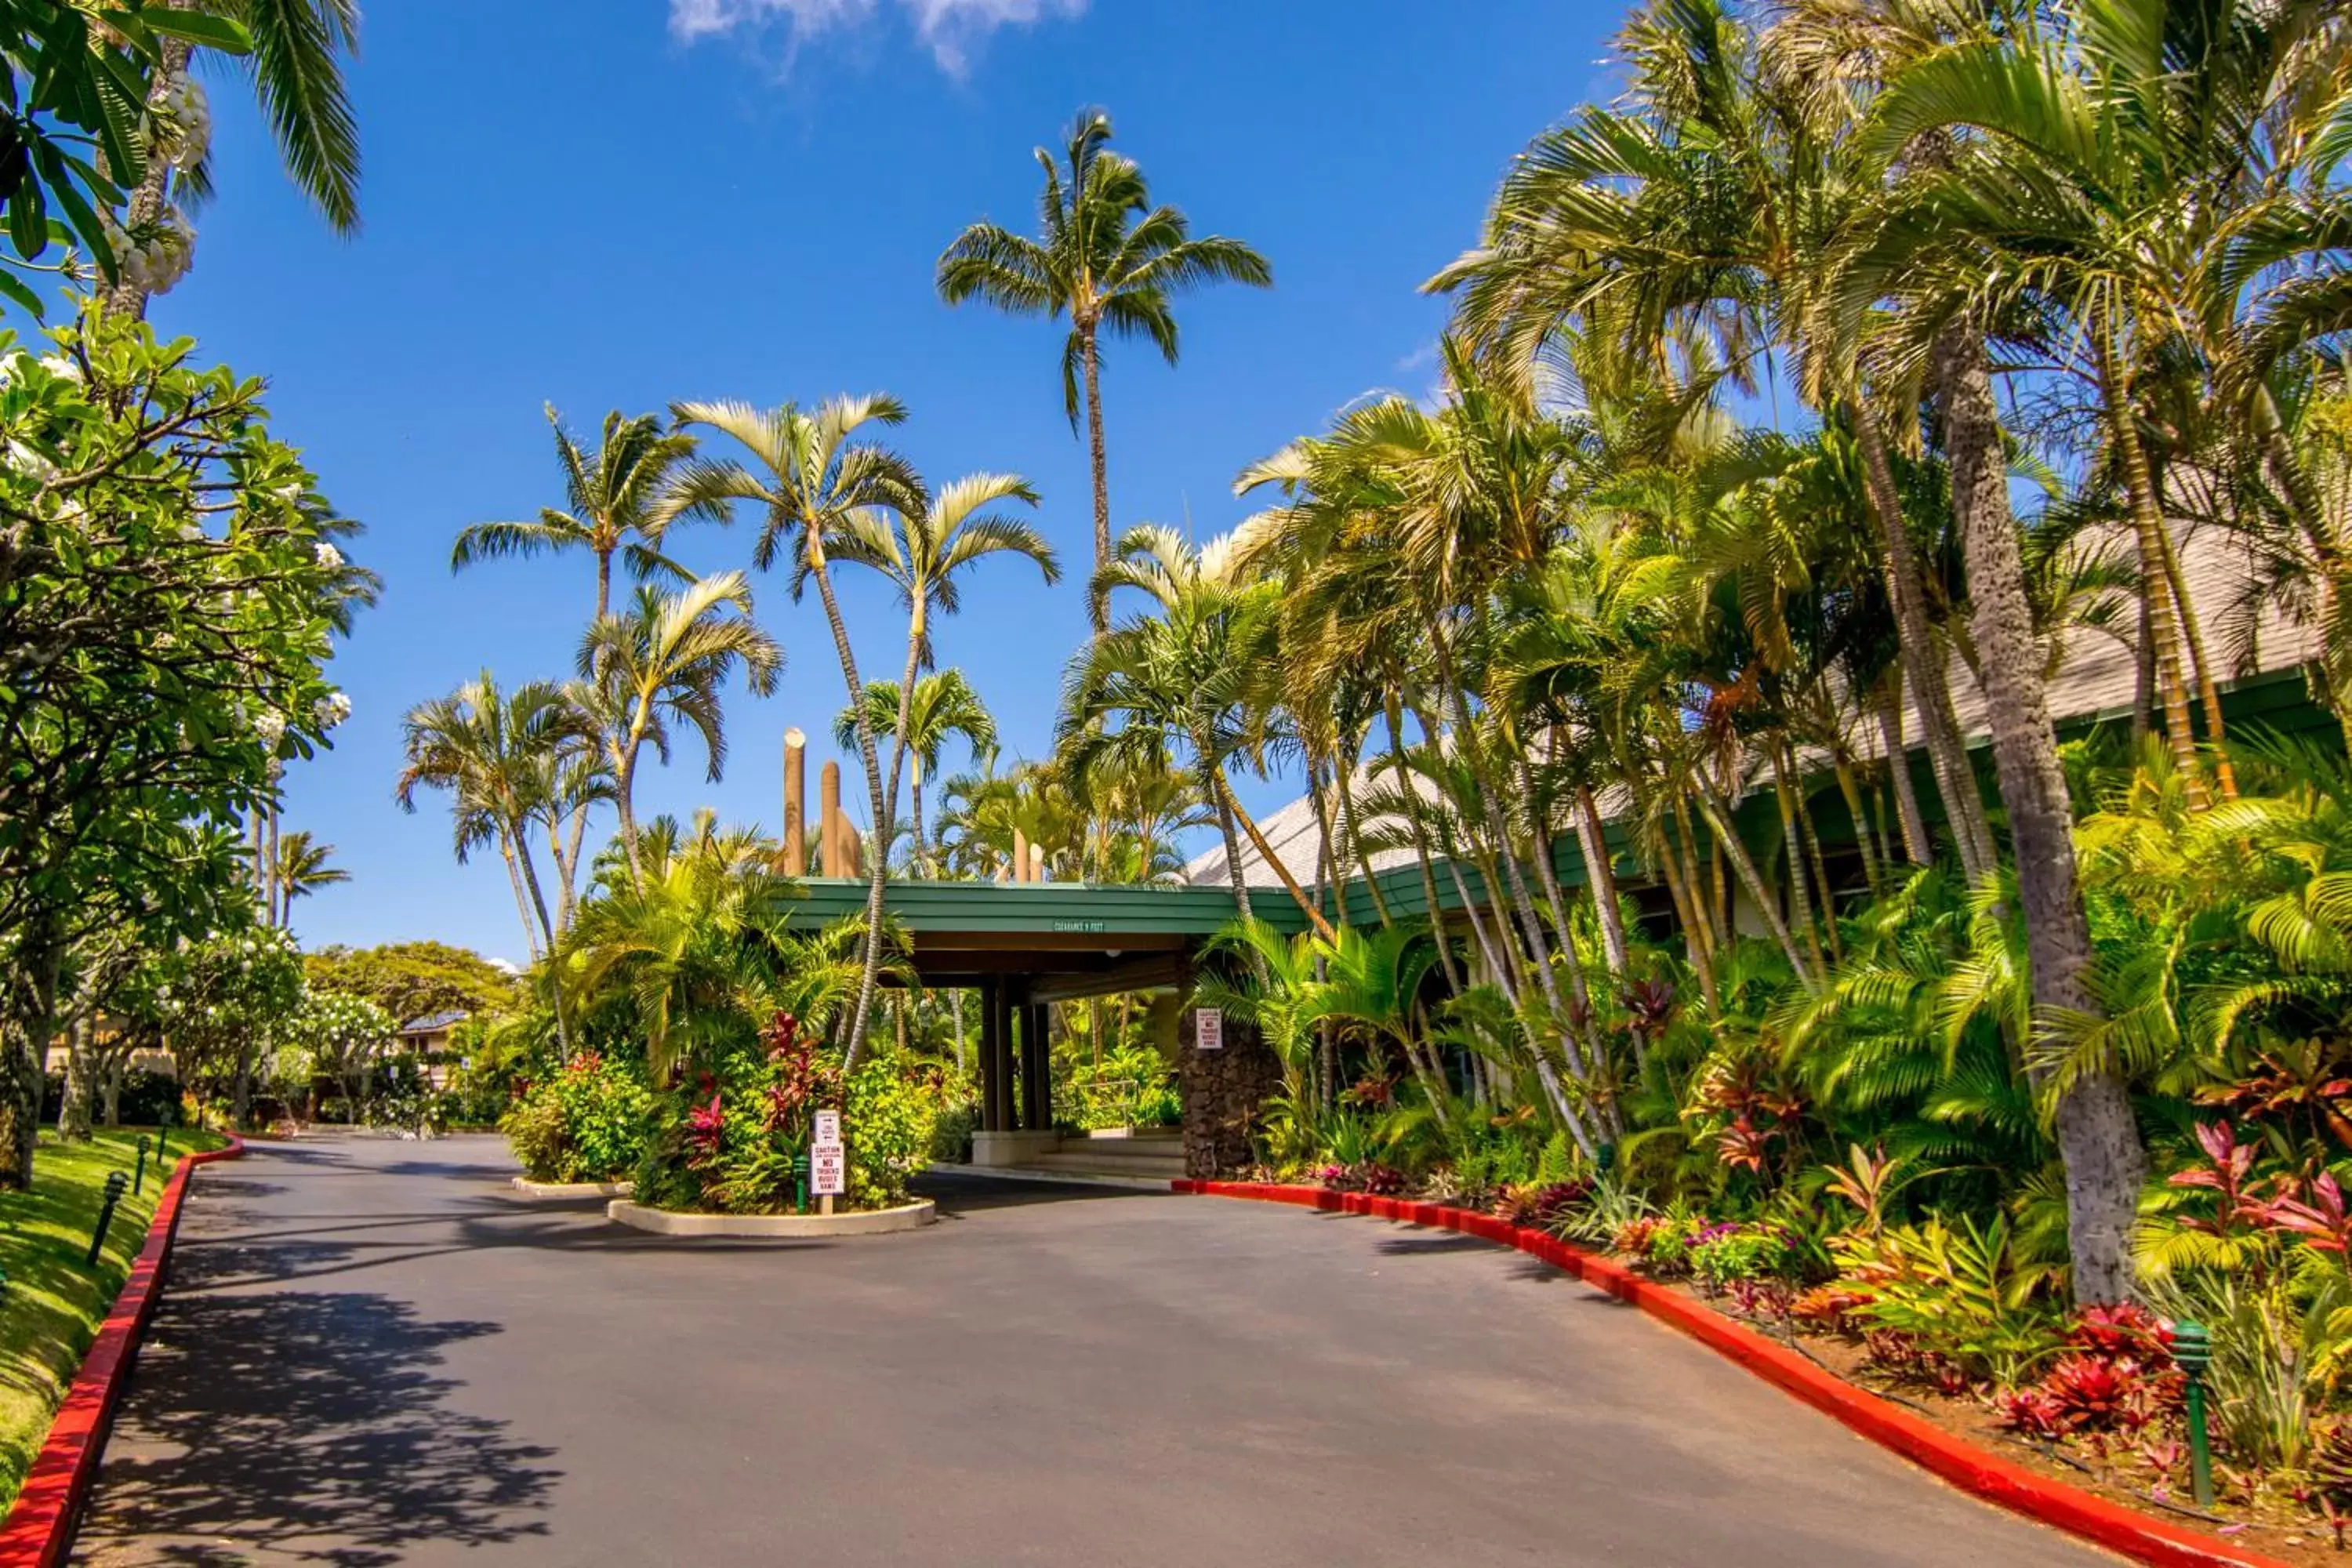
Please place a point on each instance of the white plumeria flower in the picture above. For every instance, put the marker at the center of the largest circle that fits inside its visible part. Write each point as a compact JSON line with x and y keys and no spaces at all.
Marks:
{"x":62,"y":367}
{"x":332,"y":709}
{"x":272,"y":728}
{"x":330,"y":558}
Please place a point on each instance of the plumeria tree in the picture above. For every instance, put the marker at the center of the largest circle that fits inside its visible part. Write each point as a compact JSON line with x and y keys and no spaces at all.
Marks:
{"x":170,"y":588}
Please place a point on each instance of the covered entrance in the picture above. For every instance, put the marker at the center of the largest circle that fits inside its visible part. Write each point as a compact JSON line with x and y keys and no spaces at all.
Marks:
{"x":1021,"y":947}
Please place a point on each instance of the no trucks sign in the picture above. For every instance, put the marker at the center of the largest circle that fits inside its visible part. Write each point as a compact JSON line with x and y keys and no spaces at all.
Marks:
{"x":1208,"y":1029}
{"x":828,"y":1171}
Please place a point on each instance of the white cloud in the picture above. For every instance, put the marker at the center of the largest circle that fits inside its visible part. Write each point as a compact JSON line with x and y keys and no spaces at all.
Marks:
{"x":948,"y":28}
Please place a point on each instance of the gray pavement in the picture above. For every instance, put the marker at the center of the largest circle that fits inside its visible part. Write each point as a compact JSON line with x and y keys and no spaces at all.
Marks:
{"x":374,"y":1353}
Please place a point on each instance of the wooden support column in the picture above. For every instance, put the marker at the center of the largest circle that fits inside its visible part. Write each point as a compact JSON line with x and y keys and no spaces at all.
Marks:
{"x":1036,"y":1067}
{"x":995,"y":1093}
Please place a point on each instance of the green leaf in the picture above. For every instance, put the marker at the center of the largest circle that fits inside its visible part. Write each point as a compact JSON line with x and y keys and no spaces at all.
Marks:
{"x":208,"y":32}
{"x":14,"y":290}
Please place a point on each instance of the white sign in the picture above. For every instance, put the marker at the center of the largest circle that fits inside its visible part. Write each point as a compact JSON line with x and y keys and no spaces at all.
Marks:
{"x":1208,"y":1029}
{"x":827,"y":1128}
{"x":828,"y":1169}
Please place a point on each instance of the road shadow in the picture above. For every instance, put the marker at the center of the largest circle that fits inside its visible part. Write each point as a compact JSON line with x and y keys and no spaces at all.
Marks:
{"x":310,"y":1426}
{"x":973,"y":1194}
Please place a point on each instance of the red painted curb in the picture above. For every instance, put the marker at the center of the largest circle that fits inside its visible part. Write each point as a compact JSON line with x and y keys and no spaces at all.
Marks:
{"x":40,"y":1524}
{"x":1965,"y":1466}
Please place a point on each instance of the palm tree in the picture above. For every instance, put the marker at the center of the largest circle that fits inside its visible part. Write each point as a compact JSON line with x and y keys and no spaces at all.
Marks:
{"x":1189,"y":680}
{"x":486,"y":747}
{"x":296,"y":69}
{"x":923,"y":554}
{"x":668,"y":657}
{"x":613,"y":499}
{"x":302,"y":869}
{"x":1106,"y":257}
{"x":943,"y":706}
{"x":817,"y":488}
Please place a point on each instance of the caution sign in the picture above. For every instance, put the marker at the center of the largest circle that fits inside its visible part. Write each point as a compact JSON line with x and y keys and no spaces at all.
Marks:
{"x":1208,"y":1029}
{"x":828,"y":1169}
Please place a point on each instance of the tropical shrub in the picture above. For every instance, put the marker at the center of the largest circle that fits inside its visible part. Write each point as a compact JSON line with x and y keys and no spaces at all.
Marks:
{"x":887,"y":1121}
{"x":588,"y":1123}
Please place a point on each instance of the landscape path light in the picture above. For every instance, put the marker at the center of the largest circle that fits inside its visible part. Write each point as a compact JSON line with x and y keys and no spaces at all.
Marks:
{"x":2193,"y":1352}
{"x":115,"y":1182}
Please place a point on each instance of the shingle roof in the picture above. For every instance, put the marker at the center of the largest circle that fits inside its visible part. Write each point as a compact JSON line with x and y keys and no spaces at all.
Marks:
{"x":433,"y":1022}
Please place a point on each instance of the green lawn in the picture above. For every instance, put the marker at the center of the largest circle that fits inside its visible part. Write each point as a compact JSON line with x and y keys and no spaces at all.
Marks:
{"x":54,"y":1301}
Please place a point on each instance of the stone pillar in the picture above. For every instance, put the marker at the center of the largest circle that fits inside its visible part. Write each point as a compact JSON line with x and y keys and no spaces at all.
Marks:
{"x":1036,"y":1067}
{"x":1223,"y":1090}
{"x":796,"y":803}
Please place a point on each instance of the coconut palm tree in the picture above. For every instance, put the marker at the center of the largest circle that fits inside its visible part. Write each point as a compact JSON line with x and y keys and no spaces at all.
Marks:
{"x":814,"y":487}
{"x":485,"y":747}
{"x":296,"y":69}
{"x":1188,"y":682}
{"x":943,"y":706}
{"x":613,"y":500}
{"x":302,"y":868}
{"x":668,"y":658}
{"x":1106,"y":257}
{"x":923,"y":554}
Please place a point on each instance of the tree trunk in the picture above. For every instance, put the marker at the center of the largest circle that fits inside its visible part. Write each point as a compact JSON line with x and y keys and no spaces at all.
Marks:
{"x":872,"y":967}
{"x":1351,"y":831}
{"x":2098,"y":1140}
{"x":74,"y":1104}
{"x":1717,"y":814}
{"x":148,"y":198}
{"x":1391,"y":711}
{"x":1592,"y":838}
{"x":1232,"y":840}
{"x":1917,"y":847}
{"x":1097,"y":598}
{"x":2200,"y":664}
{"x":1923,"y":661}
{"x":2147,"y":529}
{"x":1274,"y":862}
{"x":26,"y":1050}
{"x":110,"y":1086}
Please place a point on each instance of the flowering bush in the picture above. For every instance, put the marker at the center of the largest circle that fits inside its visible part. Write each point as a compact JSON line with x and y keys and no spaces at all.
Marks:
{"x":589,"y":1123}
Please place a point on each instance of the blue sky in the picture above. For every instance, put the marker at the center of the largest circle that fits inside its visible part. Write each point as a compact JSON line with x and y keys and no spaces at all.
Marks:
{"x":618,"y":203}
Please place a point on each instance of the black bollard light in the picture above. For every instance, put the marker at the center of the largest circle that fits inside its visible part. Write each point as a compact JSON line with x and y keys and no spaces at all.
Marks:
{"x":138,"y":1172}
{"x":115,"y":1182}
{"x":2193,"y":1352}
{"x":800,"y":1182}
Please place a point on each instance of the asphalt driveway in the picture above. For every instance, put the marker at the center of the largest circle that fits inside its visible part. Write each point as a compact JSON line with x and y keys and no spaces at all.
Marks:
{"x":374,"y":1353}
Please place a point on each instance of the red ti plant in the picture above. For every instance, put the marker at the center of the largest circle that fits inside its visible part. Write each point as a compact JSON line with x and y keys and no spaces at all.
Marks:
{"x":2322,"y":1220}
{"x":2232,"y":1163}
{"x":706,"y":1127}
{"x":802,"y":1079}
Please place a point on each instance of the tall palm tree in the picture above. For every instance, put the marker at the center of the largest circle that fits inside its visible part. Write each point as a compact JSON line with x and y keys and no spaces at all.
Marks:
{"x":296,"y":70}
{"x":923,"y":554}
{"x":944,"y":706}
{"x":485,"y":747}
{"x":612,"y":506}
{"x":1187,"y":681}
{"x":302,"y":868}
{"x":668,"y":658}
{"x":814,"y":487}
{"x":1105,"y":258}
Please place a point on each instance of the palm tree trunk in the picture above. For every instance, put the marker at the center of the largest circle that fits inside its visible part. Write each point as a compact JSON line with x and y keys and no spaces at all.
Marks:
{"x":1274,"y":862}
{"x":1391,"y":710}
{"x":1923,"y":661}
{"x":1917,"y":848}
{"x":1217,"y":798}
{"x":1717,"y":816}
{"x":2209,"y":693}
{"x":522,"y":901}
{"x":625,"y":789}
{"x":1351,"y":829}
{"x":1801,"y":902}
{"x":1097,"y":598}
{"x":520,"y":838}
{"x":871,"y":969}
{"x":2098,"y":1140}
{"x":2147,"y":528}
{"x":147,"y":202}
{"x":1592,"y":838}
